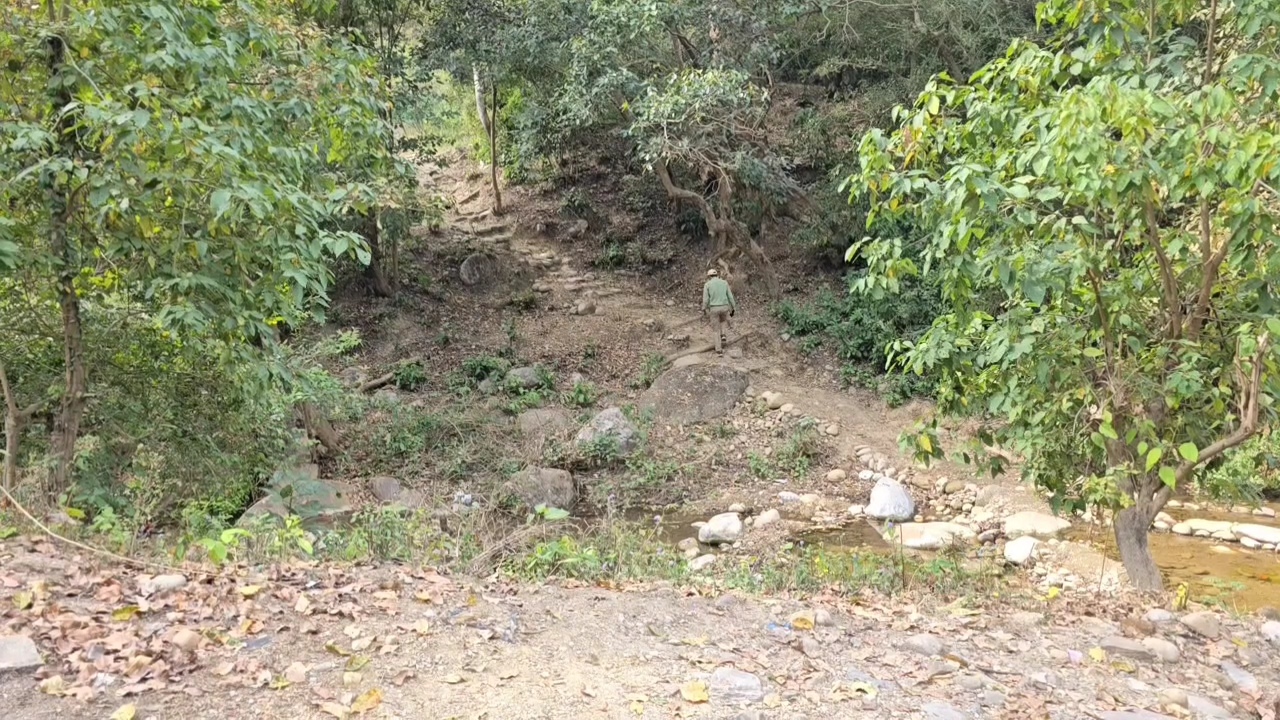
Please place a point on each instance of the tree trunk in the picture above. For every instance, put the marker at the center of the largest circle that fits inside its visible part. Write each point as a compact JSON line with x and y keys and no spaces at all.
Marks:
{"x":481,"y":108}
{"x":318,"y":426}
{"x":377,"y":275}
{"x":15,"y":420}
{"x":66,"y":428}
{"x":1131,"y":526}
{"x":493,"y":155}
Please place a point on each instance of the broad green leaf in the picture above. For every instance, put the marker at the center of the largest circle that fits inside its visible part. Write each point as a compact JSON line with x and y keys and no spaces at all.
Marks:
{"x":1189,"y":452}
{"x":1153,"y":458}
{"x":1168,"y":476}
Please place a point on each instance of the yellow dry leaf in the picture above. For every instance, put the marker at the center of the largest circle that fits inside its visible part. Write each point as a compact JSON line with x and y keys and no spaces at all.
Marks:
{"x":773,"y":700}
{"x":695,"y":642}
{"x":124,"y":614}
{"x":279,"y":682}
{"x":371,"y":699}
{"x":862,"y":688}
{"x":23,"y":600}
{"x":802,"y":621}
{"x":336,"y":649}
{"x":452,"y":679}
{"x":695,"y":692}
{"x":422,"y":596}
{"x":356,"y":662}
{"x":125,"y":712}
{"x":422,"y":627}
{"x":637,"y":707}
{"x":249,"y":590}
{"x":1098,"y":654}
{"x":1124,"y":666}
{"x":53,"y":685}
{"x":303,"y":605}
{"x":351,"y":679}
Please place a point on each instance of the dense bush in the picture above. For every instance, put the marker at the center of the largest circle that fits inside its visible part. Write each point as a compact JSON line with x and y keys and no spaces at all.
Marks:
{"x":1248,"y":473}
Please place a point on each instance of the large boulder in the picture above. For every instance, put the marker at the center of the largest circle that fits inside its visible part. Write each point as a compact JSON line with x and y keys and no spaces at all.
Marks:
{"x":890,"y":501}
{"x":695,"y":393}
{"x":384,"y":487}
{"x":319,"y":504}
{"x":478,"y":268}
{"x":611,"y":424}
{"x":542,"y":486}
{"x":1035,"y":524}
{"x":1266,"y":534}
{"x":524,"y":378}
{"x":541,"y":423}
{"x":721,"y":529}
{"x":928,"y":535}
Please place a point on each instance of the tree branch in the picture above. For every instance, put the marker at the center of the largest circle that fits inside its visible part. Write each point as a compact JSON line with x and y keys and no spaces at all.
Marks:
{"x":1212,"y":264}
{"x":1249,"y":410}
{"x":1172,"y":297}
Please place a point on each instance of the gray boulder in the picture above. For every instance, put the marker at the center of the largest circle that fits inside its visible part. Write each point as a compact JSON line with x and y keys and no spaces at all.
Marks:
{"x":722,"y":529}
{"x":542,"y":486}
{"x":611,"y":423}
{"x":695,"y":393}
{"x":524,"y":378}
{"x":320,"y":504}
{"x":540,"y":423}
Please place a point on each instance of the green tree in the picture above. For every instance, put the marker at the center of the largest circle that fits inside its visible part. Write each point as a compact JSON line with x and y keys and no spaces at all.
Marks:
{"x":1101,"y":214}
{"x":190,"y":160}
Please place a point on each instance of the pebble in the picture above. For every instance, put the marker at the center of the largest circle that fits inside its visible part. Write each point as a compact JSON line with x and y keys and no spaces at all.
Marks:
{"x":1160,"y":616}
{"x":1172,"y":696}
{"x":1203,"y":623}
{"x":924,"y":644}
{"x":991,"y":699}
{"x":822,"y":618}
{"x":1026,"y":618}
{"x":737,"y":508}
{"x":866,"y":475}
{"x":1241,"y":679}
{"x":836,"y":475}
{"x":971,"y":681}
{"x":735,"y":686}
{"x":166,"y":583}
{"x":18,"y":652}
{"x":856,"y":510}
{"x":810,"y":647}
{"x":767,"y":517}
{"x":702,"y":562}
{"x":1163,"y":649}
{"x":1271,"y":632}
{"x":786,"y":496}
{"x":1206,"y":708}
{"x":1124,"y":647}
{"x":1020,"y":551}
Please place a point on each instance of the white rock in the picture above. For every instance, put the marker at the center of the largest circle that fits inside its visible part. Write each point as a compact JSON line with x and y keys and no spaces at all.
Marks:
{"x":18,"y":652}
{"x":737,"y":508}
{"x":1265,"y":512}
{"x":1165,"y":518}
{"x":1029,"y":522}
{"x":890,"y":501}
{"x":1159,"y":616}
{"x":786,"y":496}
{"x":836,"y":475}
{"x":1271,"y":632}
{"x":866,"y":475}
{"x":1181,"y":528}
{"x":767,"y":517}
{"x":163,"y":584}
{"x":732,"y":687}
{"x":702,"y":562}
{"x":721,"y":529}
{"x":787,"y":409}
{"x":856,"y":510}
{"x":1250,"y":543}
{"x":1261,"y":533}
{"x":1198,"y":525}
{"x":1203,"y":623}
{"x":810,"y":498}
{"x":1223,"y":535}
{"x":927,"y":535}
{"x":1020,"y":550}
{"x":1163,"y":649}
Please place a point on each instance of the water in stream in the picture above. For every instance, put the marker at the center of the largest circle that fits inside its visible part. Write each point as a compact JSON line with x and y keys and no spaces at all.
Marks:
{"x":1228,"y":573}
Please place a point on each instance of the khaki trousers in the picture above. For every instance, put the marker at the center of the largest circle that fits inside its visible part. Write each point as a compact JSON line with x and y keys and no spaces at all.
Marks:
{"x":719,"y":317}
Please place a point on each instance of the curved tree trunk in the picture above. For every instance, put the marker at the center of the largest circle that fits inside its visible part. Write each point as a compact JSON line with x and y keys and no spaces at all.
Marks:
{"x":493,"y":154}
{"x":481,"y":108}
{"x":382,"y":287}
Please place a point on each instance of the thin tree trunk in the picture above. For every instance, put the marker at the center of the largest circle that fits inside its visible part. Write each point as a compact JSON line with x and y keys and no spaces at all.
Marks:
{"x":15,"y":419}
{"x":377,"y":275}
{"x":481,"y":109}
{"x":318,"y":426}
{"x":67,"y":424}
{"x":493,"y":155}
{"x":1131,"y":527}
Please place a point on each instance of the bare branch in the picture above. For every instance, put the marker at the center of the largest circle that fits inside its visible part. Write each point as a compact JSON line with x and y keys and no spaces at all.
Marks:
{"x":1172,"y":297}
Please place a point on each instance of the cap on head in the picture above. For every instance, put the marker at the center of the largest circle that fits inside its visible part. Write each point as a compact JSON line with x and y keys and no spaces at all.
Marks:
{"x":713,"y":272}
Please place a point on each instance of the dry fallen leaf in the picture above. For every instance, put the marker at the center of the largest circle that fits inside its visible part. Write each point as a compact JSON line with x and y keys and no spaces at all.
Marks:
{"x":125,"y":712}
{"x":336,"y":649}
{"x":296,"y":673}
{"x":695,"y":692}
{"x":422,"y":627}
{"x":452,"y":679}
{"x":402,"y":677}
{"x":124,"y":614}
{"x":302,"y":606}
{"x":351,"y":679}
{"x":1098,"y":654}
{"x":23,"y":600}
{"x":334,"y":709}
{"x":357,"y":662}
{"x":249,"y":591}
{"x":637,"y":707}
{"x":366,"y":702}
{"x":803,"y":620}
{"x":54,"y":685}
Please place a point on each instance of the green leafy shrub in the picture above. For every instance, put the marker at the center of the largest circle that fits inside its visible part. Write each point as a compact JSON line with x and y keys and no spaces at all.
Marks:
{"x":1247,"y":474}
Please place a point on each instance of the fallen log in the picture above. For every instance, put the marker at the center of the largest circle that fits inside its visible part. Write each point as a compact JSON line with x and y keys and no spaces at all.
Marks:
{"x":707,"y":347}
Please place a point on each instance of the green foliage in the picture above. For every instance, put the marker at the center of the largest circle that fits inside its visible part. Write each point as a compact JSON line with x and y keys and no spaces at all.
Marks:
{"x":650,"y":368}
{"x":342,"y":343}
{"x":1246,"y":474}
{"x":410,"y":376}
{"x":1115,"y":191}
{"x":582,"y":394}
{"x":617,"y":552}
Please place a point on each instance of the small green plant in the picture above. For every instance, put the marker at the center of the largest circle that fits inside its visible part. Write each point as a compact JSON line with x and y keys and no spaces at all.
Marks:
{"x":799,"y":451}
{"x":513,"y":335}
{"x":341,"y":343}
{"x":410,"y":376}
{"x":224,"y":546}
{"x":582,"y":394}
{"x":602,"y":451}
{"x":760,"y":466}
{"x":548,"y":513}
{"x":526,"y":400}
{"x":651,"y":367}
{"x":524,"y":301}
{"x":478,"y":369}
{"x":723,"y":431}
{"x":576,"y":204}
{"x":612,"y":256}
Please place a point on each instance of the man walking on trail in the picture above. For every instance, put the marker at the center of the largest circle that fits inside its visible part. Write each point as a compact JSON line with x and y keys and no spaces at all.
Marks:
{"x":717,"y":299}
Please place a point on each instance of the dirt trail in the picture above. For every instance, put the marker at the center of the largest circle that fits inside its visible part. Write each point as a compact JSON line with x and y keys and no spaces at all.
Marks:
{"x":310,"y":642}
